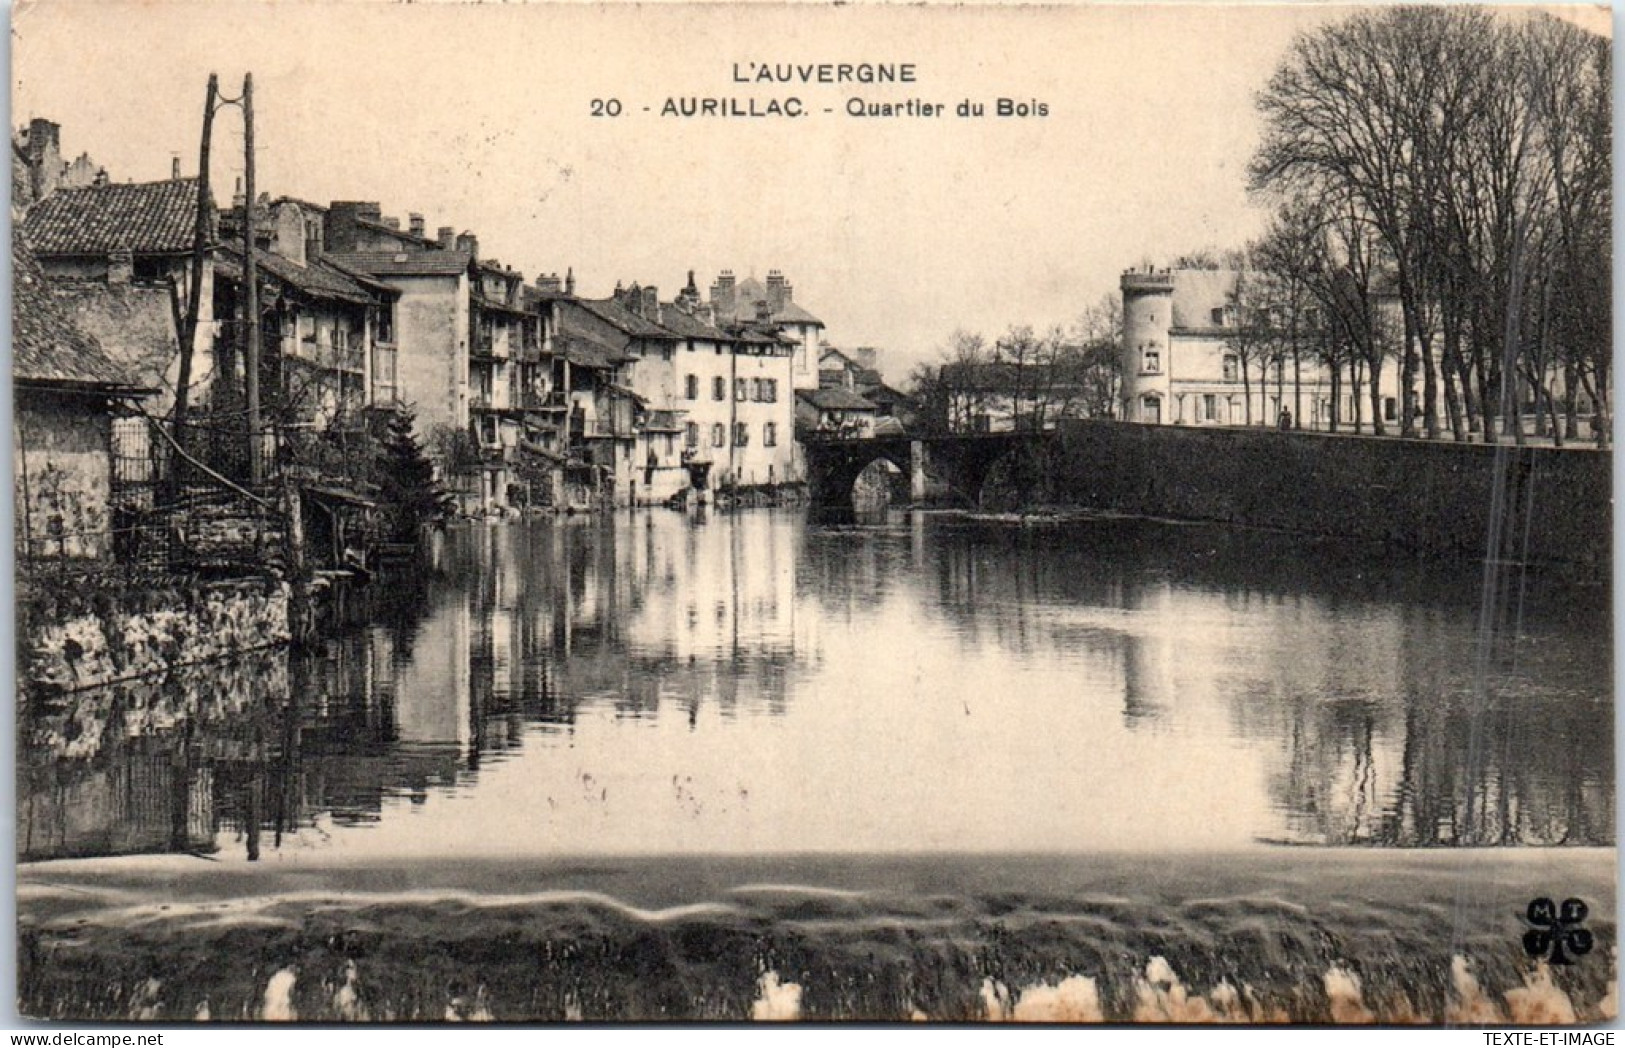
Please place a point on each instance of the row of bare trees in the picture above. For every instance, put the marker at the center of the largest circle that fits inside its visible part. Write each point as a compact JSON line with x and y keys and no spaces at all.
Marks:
{"x":1023,"y":379}
{"x":1442,"y":184}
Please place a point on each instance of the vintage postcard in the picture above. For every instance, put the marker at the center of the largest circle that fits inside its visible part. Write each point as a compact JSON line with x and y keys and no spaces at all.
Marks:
{"x":727,"y":512}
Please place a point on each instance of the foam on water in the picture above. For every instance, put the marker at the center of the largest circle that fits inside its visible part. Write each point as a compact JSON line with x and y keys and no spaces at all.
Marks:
{"x":1539,"y":1001}
{"x":776,"y":1001}
{"x":278,"y":1006}
{"x":1074,"y":999}
{"x":1344,"y":995}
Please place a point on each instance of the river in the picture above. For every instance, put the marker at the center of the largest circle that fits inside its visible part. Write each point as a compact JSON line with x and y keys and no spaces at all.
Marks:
{"x":754,"y":684}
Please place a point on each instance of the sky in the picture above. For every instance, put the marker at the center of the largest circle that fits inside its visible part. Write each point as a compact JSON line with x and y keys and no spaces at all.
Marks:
{"x":894,"y":231}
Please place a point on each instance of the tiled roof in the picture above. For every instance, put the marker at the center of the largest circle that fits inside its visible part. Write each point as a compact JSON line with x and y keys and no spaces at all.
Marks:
{"x":377,"y":287}
{"x":1198,"y":292}
{"x":47,"y":347}
{"x":318,"y":281}
{"x":404,"y":263}
{"x":534,"y":295}
{"x":835,"y":400}
{"x":586,"y":352}
{"x":146,"y":217}
{"x":686,"y":325}
{"x":624,"y":319}
{"x":750,"y":291}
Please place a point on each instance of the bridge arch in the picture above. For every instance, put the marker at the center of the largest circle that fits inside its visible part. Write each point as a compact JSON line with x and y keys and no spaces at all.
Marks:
{"x":964,"y":462}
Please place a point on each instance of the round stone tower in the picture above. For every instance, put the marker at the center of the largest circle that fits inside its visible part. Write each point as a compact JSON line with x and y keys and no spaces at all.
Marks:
{"x":1148,"y":318}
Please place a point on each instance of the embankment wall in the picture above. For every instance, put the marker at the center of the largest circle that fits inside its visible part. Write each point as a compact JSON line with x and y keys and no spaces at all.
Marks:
{"x":71,"y":641}
{"x":1425,"y":495}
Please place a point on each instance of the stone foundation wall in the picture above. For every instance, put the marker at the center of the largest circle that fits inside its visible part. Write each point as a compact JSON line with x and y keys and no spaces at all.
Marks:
{"x":75,"y":641}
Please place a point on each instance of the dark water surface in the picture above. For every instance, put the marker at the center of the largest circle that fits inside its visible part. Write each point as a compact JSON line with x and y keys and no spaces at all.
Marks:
{"x":657,"y":683}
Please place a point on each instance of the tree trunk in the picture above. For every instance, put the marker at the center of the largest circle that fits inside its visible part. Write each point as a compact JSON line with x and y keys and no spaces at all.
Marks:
{"x":1571,"y":402}
{"x":1430,"y":388}
{"x":1297,"y":387}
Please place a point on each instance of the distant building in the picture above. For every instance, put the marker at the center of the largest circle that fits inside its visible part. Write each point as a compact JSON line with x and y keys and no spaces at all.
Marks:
{"x":1180,"y":363}
{"x":710,"y":401}
{"x":39,"y":147}
{"x":834,"y":412}
{"x":752,"y":301}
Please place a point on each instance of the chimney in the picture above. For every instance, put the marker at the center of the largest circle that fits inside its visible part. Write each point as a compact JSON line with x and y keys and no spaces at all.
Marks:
{"x":550,"y":282}
{"x":393,"y":223}
{"x":44,"y":153}
{"x":570,"y":280}
{"x":777,"y":290}
{"x":470,"y":243}
{"x":341,"y":233}
{"x":175,"y":165}
{"x":722,"y":295}
{"x":101,"y":178}
{"x":651,"y":304}
{"x":120,"y":267}
{"x":370,"y":210}
{"x":764,"y":311}
{"x":448,"y":238}
{"x":238,"y":198}
{"x":414,"y":222}
{"x":688,"y":298}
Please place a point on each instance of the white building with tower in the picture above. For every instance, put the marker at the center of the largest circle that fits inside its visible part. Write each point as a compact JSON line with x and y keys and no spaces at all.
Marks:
{"x":1181,"y":365}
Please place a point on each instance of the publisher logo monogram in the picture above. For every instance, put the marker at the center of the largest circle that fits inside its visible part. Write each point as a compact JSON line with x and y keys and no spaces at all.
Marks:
{"x":1557,"y":935}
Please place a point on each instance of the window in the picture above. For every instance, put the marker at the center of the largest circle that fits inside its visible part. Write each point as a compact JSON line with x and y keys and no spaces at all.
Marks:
{"x":1152,"y":360}
{"x":1150,"y":410}
{"x":719,"y":435}
{"x":1230,"y":367}
{"x":741,"y":389}
{"x":719,"y":388}
{"x":770,"y":434}
{"x":741,"y":434}
{"x":1210,"y":407}
{"x":772,"y":391}
{"x":386,"y":323}
{"x":691,"y":386}
{"x":758,"y":391}
{"x":691,"y":435}
{"x":1389,"y":409}
{"x":1218,"y":316}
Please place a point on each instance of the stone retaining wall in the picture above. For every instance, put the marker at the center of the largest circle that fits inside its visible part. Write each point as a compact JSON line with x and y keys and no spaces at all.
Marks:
{"x":76,"y":641}
{"x":1426,"y":495}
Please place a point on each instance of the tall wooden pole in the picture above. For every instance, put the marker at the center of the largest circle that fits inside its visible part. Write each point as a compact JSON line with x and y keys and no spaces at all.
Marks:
{"x":251,"y":295}
{"x":200,"y":249}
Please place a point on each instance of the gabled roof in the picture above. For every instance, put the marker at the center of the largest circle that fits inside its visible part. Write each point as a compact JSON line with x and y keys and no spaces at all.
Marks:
{"x":404,"y":263}
{"x":750,"y":291}
{"x":623,"y":319}
{"x":686,"y":325}
{"x":47,"y":347}
{"x":835,"y":400}
{"x":587,"y":352}
{"x":146,"y":217}
{"x":318,"y":281}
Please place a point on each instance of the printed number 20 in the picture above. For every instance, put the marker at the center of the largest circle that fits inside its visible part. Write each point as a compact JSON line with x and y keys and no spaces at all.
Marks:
{"x":606,"y":107}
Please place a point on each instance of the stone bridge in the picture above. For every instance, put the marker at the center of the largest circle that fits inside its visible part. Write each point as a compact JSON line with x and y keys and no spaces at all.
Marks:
{"x":963,"y":462}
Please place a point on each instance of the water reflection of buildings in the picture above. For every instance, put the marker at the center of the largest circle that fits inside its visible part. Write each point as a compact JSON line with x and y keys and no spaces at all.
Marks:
{"x":421,"y":681}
